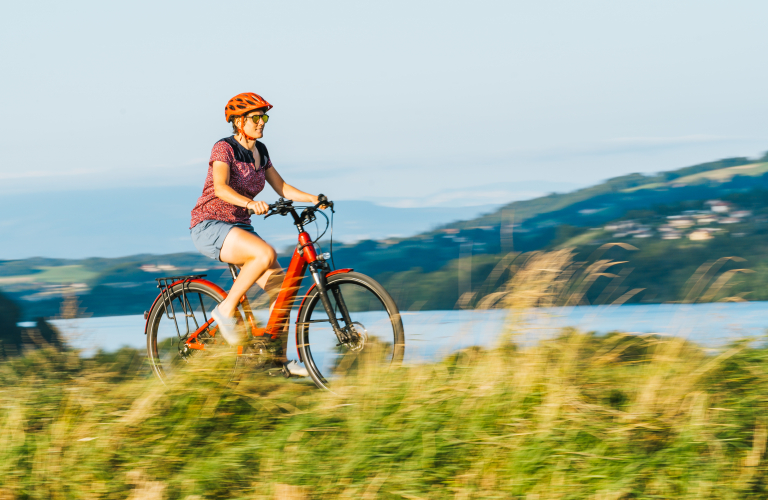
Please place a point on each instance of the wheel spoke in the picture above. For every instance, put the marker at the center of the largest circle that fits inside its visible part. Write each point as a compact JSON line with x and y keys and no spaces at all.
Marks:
{"x":338,"y":320}
{"x":166,"y":346}
{"x":374,"y":323}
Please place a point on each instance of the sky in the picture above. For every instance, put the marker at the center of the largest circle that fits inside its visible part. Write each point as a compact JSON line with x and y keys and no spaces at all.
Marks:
{"x":405,"y":103}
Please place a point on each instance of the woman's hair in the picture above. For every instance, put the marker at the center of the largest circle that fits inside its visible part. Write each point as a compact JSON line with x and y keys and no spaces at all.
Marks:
{"x":232,"y":122}
{"x":233,"y":118}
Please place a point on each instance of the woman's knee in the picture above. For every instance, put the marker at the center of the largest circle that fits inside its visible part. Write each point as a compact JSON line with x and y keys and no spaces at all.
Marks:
{"x":271,"y":257}
{"x":265,"y":255}
{"x":241,"y":247}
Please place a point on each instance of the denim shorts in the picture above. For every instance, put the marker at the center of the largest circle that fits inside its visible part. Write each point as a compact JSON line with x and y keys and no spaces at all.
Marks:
{"x":208,"y":235}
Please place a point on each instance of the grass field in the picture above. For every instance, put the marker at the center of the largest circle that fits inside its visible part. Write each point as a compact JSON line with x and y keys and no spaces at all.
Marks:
{"x":720,"y":175}
{"x":725,"y":174}
{"x":53,"y":275}
{"x":576,"y":417}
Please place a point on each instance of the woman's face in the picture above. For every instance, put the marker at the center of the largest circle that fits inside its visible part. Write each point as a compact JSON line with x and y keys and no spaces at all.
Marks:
{"x":253,"y":129}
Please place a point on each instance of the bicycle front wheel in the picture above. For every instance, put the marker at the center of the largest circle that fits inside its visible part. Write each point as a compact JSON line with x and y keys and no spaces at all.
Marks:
{"x":373,"y":325}
{"x":186,"y":308}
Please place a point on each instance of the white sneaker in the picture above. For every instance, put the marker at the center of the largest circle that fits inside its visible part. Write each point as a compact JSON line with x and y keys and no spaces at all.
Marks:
{"x":293,"y":369}
{"x":232,"y":330}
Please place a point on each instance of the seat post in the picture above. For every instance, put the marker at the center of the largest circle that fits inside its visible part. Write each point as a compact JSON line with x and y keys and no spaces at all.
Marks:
{"x":234,"y":270}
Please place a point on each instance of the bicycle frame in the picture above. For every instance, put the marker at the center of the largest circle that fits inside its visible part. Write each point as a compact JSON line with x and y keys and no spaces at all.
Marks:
{"x":304,"y":256}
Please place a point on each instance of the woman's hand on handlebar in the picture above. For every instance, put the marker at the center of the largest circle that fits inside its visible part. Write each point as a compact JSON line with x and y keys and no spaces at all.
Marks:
{"x":315,"y":201}
{"x":321,"y":201}
{"x":258,"y":207}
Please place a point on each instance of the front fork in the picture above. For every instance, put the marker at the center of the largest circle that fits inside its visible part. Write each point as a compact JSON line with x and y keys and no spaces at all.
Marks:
{"x":345,"y":334}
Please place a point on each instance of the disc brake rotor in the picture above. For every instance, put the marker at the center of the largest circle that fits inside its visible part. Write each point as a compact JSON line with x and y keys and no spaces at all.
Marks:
{"x":362,"y":337}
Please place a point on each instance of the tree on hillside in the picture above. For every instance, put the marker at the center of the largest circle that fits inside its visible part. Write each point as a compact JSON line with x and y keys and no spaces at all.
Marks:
{"x":13,"y":338}
{"x":10,"y":333}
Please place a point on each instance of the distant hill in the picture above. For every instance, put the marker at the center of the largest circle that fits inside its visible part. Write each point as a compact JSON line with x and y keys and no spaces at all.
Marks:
{"x":422,"y":270}
{"x":126,"y":221}
{"x":535,"y":220}
{"x":712,"y":174}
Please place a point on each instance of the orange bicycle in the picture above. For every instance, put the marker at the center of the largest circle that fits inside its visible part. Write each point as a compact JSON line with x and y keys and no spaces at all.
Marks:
{"x":341,"y":317}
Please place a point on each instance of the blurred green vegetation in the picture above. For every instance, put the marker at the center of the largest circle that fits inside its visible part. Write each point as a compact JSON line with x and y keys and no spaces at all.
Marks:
{"x":580,"y":416}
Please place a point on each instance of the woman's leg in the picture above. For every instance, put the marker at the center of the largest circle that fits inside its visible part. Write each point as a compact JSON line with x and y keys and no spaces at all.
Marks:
{"x":272,"y":283}
{"x":258,"y":264}
{"x":254,"y":256}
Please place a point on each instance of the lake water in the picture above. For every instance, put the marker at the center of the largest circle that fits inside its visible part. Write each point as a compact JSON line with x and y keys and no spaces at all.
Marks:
{"x":431,"y":334}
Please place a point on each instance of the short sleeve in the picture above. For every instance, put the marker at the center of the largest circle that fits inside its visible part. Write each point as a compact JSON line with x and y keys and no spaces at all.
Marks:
{"x":268,"y":165}
{"x":222,"y":152}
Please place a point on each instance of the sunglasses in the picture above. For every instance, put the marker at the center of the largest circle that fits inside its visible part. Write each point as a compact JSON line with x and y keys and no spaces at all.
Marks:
{"x":256,"y":118}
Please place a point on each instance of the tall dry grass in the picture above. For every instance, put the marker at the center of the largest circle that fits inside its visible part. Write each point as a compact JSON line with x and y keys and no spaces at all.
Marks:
{"x":577,"y":416}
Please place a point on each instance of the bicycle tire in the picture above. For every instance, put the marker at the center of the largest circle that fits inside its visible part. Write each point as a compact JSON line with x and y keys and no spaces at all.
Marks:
{"x":313,"y":327}
{"x":165,"y":343}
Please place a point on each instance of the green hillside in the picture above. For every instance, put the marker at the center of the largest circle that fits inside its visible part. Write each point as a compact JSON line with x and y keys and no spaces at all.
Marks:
{"x":423,"y":271}
{"x":717,"y":171}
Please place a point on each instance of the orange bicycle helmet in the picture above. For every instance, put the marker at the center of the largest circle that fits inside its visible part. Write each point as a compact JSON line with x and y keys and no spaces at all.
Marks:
{"x":245,"y":103}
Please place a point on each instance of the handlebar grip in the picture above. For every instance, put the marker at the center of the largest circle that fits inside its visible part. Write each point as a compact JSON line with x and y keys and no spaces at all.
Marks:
{"x":323,"y":200}
{"x":271,"y":207}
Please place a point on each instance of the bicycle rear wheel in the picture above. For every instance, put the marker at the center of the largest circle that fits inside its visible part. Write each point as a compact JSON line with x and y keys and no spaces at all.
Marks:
{"x":186,"y":308}
{"x":374,"y":325}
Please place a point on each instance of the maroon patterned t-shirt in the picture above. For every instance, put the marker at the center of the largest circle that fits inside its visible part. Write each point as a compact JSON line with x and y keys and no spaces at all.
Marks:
{"x":244,"y":177}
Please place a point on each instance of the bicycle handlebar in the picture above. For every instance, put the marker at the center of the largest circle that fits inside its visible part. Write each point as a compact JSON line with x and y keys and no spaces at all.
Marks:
{"x":284,"y":207}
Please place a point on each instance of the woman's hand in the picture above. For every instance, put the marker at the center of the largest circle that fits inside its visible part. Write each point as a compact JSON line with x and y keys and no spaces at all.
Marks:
{"x":315,"y":200}
{"x":258,"y":207}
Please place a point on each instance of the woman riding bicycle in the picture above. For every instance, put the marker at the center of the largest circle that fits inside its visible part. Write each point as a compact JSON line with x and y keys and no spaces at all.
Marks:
{"x":221,"y":228}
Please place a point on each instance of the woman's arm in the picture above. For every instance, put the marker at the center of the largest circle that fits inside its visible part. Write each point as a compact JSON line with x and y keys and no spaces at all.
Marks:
{"x":285,"y":190}
{"x":223,"y":191}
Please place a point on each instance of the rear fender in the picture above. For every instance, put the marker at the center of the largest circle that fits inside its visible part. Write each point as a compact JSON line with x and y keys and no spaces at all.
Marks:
{"x":301,"y":306}
{"x":159,"y":298}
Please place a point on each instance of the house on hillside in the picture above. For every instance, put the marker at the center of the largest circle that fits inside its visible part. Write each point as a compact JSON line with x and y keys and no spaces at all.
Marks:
{"x":741,"y":214}
{"x":707,"y":218}
{"x":704,"y":233}
{"x":718,"y":206}
{"x":680,"y":221}
{"x":149,"y":268}
{"x":699,"y":235}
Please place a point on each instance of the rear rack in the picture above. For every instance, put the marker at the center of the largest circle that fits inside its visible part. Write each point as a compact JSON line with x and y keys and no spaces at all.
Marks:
{"x":164,"y":284}
{"x":169,"y":280}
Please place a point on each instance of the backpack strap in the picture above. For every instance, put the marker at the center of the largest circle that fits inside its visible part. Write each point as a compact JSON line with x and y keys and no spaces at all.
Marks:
{"x":246,"y":156}
{"x":262,"y":149}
